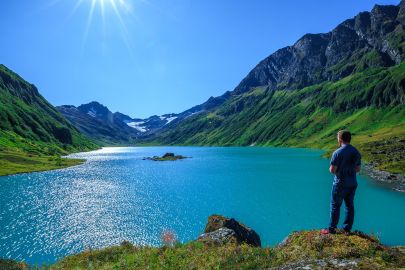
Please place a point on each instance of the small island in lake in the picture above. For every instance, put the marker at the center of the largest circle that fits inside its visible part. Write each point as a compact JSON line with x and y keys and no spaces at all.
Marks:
{"x":166,"y":157}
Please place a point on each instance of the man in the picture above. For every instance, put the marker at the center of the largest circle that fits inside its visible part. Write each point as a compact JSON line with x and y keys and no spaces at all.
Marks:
{"x":345,"y":163}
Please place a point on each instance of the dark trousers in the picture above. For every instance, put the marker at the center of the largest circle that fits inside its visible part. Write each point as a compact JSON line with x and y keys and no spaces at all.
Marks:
{"x":340,"y":194}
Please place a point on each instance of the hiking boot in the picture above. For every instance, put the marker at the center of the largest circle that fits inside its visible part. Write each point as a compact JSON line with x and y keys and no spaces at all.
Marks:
{"x":328,"y":231}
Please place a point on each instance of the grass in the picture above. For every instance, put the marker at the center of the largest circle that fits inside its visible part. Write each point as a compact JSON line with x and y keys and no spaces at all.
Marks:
{"x":20,"y":162}
{"x":308,"y":246}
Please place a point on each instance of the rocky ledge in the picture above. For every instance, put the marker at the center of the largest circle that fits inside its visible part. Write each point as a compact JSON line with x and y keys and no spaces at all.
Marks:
{"x":166,"y":157}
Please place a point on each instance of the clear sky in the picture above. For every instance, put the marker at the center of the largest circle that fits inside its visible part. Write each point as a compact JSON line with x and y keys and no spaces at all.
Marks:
{"x":145,"y":57}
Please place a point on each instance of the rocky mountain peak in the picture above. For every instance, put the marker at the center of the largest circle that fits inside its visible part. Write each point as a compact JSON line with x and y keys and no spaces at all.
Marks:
{"x":318,"y":57}
{"x":95,"y":109}
{"x":401,"y":13}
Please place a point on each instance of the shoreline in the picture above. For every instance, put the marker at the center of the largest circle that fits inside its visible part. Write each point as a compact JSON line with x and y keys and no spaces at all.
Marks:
{"x":72,"y":162}
{"x":14,"y":163}
{"x":394,"y":180}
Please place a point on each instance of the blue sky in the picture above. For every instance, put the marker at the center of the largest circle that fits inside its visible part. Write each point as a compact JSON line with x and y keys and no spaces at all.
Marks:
{"x":157,"y":56}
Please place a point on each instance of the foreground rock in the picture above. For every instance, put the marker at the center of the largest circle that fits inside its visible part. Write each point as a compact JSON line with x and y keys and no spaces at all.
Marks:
{"x":220,"y":229}
{"x":166,"y":157}
{"x":312,"y":250}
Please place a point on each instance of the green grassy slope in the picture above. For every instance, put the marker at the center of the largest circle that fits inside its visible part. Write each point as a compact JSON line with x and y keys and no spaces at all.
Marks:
{"x":32,"y":131}
{"x":369,"y":103}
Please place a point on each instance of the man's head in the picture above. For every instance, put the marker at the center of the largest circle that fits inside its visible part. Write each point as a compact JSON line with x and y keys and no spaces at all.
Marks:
{"x":344,"y":137}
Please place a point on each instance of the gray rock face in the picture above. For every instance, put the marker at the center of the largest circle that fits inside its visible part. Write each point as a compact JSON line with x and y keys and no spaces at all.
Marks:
{"x":318,"y":57}
{"x":320,"y":265}
{"x":220,"y":236}
{"x":221,"y":229}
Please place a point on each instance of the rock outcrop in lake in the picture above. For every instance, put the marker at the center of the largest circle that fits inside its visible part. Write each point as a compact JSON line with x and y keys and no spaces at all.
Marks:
{"x":166,"y":157}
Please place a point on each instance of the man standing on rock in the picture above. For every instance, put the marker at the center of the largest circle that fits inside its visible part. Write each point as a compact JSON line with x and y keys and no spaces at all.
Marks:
{"x":344,"y":164}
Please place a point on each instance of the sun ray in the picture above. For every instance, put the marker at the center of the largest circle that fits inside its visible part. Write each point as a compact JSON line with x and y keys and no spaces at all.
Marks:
{"x":89,"y":20}
{"x":123,"y":27}
{"x":102,"y":8}
{"x":118,"y":7}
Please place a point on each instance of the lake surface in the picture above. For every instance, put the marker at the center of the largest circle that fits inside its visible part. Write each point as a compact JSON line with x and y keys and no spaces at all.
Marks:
{"x":117,"y":196}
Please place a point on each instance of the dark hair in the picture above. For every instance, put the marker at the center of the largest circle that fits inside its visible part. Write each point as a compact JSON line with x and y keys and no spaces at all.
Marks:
{"x":345,"y":135}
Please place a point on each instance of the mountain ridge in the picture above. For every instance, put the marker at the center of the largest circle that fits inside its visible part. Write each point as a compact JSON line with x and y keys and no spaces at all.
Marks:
{"x":364,"y":31}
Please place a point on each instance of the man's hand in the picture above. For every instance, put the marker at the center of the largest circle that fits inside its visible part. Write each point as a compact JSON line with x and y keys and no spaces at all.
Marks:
{"x":332,"y":169}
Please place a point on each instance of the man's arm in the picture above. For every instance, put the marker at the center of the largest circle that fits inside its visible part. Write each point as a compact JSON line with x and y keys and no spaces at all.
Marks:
{"x":358,"y":162}
{"x":334,"y":162}
{"x":332,"y":169}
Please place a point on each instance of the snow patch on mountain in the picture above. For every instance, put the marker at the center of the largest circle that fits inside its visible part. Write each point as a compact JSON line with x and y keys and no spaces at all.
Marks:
{"x":170,"y":119}
{"x":138,"y":126}
{"x":92,"y":112}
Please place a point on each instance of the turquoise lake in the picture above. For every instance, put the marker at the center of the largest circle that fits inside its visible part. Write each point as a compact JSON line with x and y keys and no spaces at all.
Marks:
{"x":117,"y":196}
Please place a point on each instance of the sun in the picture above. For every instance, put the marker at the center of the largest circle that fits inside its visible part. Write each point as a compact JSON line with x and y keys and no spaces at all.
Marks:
{"x":118,"y":7}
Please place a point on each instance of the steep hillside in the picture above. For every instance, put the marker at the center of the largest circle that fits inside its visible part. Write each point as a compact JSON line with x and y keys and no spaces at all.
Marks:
{"x":352,"y":77}
{"x":31,"y":128}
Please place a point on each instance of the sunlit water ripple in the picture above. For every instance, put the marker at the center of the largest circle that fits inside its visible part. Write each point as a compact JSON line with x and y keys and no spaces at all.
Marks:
{"x":117,"y":196}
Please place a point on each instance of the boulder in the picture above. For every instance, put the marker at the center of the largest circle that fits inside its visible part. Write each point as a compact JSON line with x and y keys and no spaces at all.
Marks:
{"x":219,"y":228}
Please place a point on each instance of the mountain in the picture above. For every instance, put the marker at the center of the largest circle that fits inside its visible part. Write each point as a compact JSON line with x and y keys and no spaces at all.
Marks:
{"x":371,"y":39}
{"x":99,"y":123}
{"x":30,"y":127}
{"x":352,"y":77}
